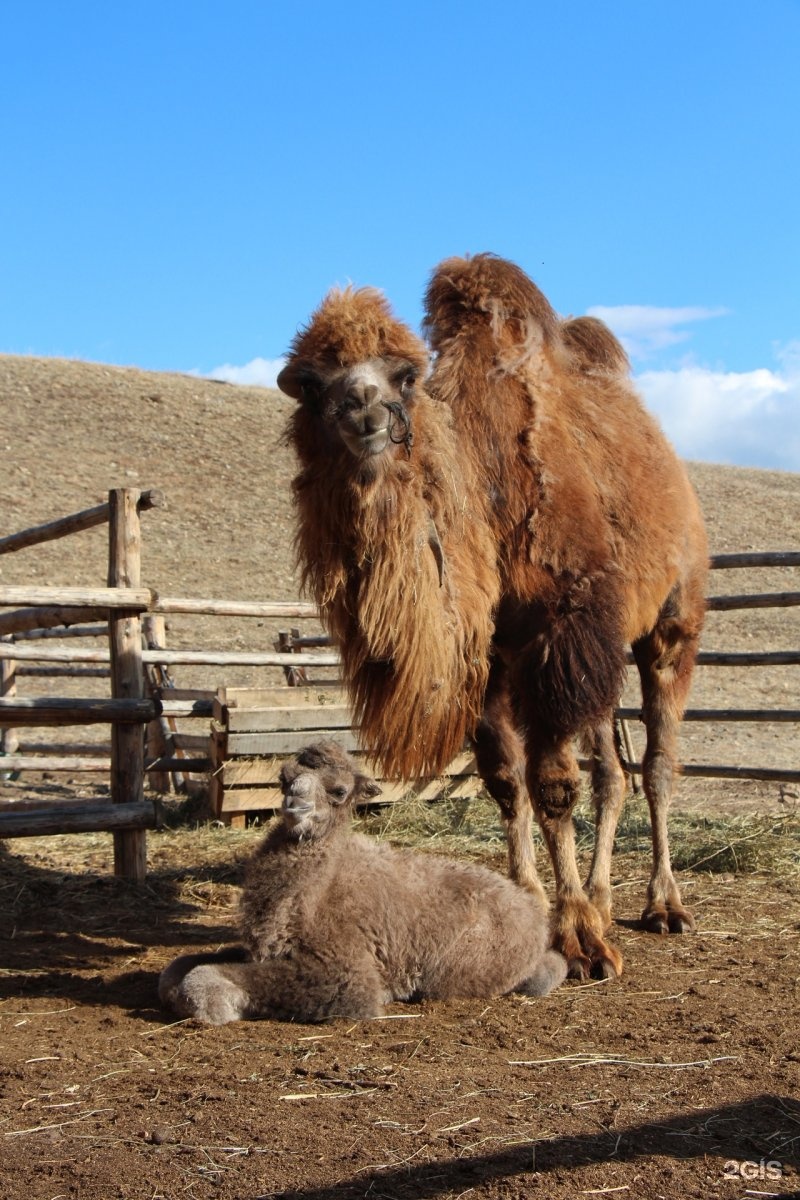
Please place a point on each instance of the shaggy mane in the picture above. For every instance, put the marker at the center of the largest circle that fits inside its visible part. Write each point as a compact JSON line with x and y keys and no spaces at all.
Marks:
{"x":412,"y":621}
{"x":353,"y":325}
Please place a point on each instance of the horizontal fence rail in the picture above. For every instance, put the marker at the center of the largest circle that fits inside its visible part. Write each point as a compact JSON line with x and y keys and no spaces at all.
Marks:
{"x":42,"y":615}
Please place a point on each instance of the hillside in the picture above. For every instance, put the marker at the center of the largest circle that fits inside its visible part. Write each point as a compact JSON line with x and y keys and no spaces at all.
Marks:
{"x":73,"y":430}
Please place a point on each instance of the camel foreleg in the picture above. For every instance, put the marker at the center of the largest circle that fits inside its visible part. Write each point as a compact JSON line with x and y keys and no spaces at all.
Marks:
{"x":578,"y":924}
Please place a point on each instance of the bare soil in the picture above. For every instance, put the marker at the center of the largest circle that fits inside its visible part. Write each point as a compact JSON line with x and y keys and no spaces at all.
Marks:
{"x":679,"y":1080}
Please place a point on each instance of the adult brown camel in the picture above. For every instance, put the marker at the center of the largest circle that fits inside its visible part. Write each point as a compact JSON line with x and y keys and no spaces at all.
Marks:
{"x":484,"y":544}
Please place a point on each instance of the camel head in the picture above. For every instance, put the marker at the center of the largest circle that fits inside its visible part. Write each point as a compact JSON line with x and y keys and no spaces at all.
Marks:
{"x":354,"y":370}
{"x":321,"y":786}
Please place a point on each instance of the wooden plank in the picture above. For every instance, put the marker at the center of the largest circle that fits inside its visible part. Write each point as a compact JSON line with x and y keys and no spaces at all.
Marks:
{"x":88,"y":518}
{"x":762,"y":558}
{"x":86,"y":818}
{"x":765,"y":600}
{"x":127,"y":676}
{"x":34,"y":711}
{"x":251,"y":799}
{"x":234,"y":608}
{"x":284,"y":696}
{"x":64,"y":762}
{"x":133,"y":597}
{"x":251,"y":771}
{"x":251,"y":744}
{"x":268,"y":720}
{"x":266,"y":799}
{"x":185,"y":708}
{"x":768,"y":715}
{"x":24,"y":619}
{"x":190,"y":741}
{"x":202,"y":658}
{"x":750,"y":658}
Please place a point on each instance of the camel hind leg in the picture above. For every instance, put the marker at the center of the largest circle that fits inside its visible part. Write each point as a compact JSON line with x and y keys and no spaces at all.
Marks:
{"x":665,"y":659}
{"x":608,"y":796}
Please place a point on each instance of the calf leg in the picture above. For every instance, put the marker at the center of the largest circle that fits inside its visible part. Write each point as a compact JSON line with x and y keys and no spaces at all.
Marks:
{"x":222,"y":988}
{"x":500,"y":757}
{"x":665,"y":659}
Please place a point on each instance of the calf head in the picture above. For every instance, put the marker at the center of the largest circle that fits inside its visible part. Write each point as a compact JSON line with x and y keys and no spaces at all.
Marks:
{"x":321,"y":786}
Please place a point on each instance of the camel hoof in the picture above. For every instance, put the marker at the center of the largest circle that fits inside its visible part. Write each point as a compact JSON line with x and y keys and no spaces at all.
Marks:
{"x":579,"y":967}
{"x":606,"y":968}
{"x":667,"y":920}
{"x":680,"y":921}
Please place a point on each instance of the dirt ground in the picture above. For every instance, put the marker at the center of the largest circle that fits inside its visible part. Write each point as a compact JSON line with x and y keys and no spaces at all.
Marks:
{"x":681,"y":1079}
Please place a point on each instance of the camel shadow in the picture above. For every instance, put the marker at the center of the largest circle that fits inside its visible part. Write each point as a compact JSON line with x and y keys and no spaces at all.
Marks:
{"x":65,"y":934}
{"x":756,"y":1138}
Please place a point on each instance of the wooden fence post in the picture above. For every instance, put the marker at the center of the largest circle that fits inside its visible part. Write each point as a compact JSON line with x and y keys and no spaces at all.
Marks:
{"x":127,"y":677}
{"x":9,"y":738}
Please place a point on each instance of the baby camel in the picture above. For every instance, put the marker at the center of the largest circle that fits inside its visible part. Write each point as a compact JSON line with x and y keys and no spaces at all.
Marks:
{"x":335,"y":924}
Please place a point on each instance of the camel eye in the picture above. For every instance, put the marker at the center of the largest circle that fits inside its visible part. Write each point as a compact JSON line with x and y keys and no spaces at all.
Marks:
{"x":407,"y":384}
{"x":339,"y":791}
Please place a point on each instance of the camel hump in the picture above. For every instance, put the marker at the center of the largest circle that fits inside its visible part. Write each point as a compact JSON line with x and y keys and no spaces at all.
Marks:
{"x":593,"y":345}
{"x":485,"y":289}
{"x":353,"y":325}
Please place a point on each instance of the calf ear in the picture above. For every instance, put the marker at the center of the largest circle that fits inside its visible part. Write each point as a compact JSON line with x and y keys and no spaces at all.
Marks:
{"x":300,"y":380}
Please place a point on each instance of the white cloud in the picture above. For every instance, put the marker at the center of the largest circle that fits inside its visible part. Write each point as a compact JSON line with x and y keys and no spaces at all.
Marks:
{"x":259,"y":372}
{"x":749,"y":418}
{"x":644,"y":330}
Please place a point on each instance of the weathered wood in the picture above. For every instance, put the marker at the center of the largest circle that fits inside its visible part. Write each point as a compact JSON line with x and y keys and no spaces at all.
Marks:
{"x":265,"y":720}
{"x":287,"y":742}
{"x":175,"y":765}
{"x":97,"y":763}
{"x":768,"y":715}
{"x":708,"y":771}
{"x":85,"y":818}
{"x":763,"y":600}
{"x":63,"y":762}
{"x":127,"y":676}
{"x":233,"y":608}
{"x":59,"y":672}
{"x":159,"y":741}
{"x":67,"y":631}
{"x":24,"y":619}
{"x":136,"y":598}
{"x":762,"y":558}
{"x":96,"y":749}
{"x":221,"y":658}
{"x":88,"y":518}
{"x":35,"y":711}
{"x":189,"y":742}
{"x":311,"y":695}
{"x":186,"y":708}
{"x":9,"y":741}
{"x":749,"y":658}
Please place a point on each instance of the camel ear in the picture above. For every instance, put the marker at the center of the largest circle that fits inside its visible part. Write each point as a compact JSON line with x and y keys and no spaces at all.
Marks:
{"x":300,"y":380}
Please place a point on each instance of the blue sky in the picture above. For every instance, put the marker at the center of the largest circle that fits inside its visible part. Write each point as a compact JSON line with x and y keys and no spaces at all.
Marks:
{"x":182,"y":181}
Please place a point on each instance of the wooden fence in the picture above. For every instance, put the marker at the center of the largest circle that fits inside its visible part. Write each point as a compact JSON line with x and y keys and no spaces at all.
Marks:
{"x":143,"y":696}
